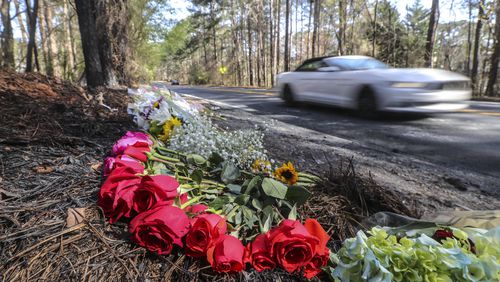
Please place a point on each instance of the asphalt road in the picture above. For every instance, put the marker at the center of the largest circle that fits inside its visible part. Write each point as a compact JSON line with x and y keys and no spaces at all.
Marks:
{"x":467,"y":141}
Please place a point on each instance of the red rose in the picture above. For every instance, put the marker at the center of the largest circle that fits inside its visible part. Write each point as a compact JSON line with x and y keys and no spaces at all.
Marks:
{"x":154,"y":189}
{"x":138,"y":151}
{"x":117,"y":192}
{"x":196,"y":209}
{"x":226,"y":254}
{"x":291,"y":245}
{"x":205,"y":230}
{"x":258,"y":253}
{"x":112,"y":163}
{"x":321,"y":257}
{"x":160,"y":228}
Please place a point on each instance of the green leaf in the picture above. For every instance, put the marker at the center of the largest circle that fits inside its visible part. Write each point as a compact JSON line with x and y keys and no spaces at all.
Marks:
{"x":266,"y":226}
{"x":197,"y":175}
{"x":249,"y":216}
{"x":217,"y":204}
{"x":229,"y":173}
{"x":293,"y":213}
{"x":274,"y":189}
{"x":297,"y":195}
{"x":257,"y":204}
{"x":252,"y":184}
{"x":196,"y":159}
{"x":238,"y":217}
{"x":215,"y":159}
{"x":242,"y":199}
{"x":234,"y":188}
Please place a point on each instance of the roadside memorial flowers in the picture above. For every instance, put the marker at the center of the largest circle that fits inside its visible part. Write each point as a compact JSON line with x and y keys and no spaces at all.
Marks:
{"x":214,"y":195}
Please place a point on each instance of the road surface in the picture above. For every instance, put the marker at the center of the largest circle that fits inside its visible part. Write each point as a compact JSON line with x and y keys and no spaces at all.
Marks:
{"x":467,"y":142}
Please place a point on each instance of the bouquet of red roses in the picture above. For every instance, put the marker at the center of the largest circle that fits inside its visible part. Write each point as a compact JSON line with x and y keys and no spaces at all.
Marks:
{"x":211,"y":209}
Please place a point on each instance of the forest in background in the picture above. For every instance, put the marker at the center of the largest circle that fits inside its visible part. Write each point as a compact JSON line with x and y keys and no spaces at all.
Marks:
{"x":244,"y":43}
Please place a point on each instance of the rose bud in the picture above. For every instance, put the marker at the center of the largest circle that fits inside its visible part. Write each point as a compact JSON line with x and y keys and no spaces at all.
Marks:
{"x":205,"y":230}
{"x":321,"y":257}
{"x":138,"y":151}
{"x":154,"y":189}
{"x":258,"y":253}
{"x":291,"y":245}
{"x":442,"y":234}
{"x":160,"y":228}
{"x":130,"y":139}
{"x":116,"y":194}
{"x":226,"y":254}
{"x":111,"y":163}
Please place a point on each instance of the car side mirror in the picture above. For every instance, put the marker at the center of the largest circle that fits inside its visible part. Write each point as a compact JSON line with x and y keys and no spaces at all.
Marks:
{"x":329,"y":69}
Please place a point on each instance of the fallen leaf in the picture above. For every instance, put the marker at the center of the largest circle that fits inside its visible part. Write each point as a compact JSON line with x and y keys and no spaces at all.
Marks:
{"x":96,"y":166}
{"x":43,"y":169}
{"x":75,"y":216}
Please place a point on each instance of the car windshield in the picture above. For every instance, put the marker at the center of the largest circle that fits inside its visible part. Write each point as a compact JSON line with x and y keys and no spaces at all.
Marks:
{"x":356,"y":63}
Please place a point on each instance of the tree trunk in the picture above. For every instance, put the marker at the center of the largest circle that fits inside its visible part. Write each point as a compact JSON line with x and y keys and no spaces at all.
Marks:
{"x":477,"y":39}
{"x":340,"y":36}
{"x":47,"y":60}
{"x":495,"y":56}
{"x":469,"y":35}
{"x":374,"y":27}
{"x":7,"y":38}
{"x":69,"y":52}
{"x":271,"y":41}
{"x":287,"y":36}
{"x":90,"y":46}
{"x":433,"y":21}
{"x":20,"y":21}
{"x":250,"y":52}
{"x":111,"y":25}
{"x":32,"y":15}
{"x":278,"y":37}
{"x":315,"y":27}
{"x":51,"y":41}
{"x":311,"y":12}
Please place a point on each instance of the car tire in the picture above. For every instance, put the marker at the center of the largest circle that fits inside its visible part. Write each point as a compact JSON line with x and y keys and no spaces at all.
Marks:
{"x":287,"y":95}
{"x":367,"y":104}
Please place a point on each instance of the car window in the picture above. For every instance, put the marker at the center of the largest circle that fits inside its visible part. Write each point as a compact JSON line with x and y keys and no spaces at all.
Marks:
{"x":356,"y":63}
{"x":312,"y":66}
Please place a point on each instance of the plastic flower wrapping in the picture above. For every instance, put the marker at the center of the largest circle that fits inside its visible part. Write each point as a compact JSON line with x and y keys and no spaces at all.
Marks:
{"x":432,"y":254}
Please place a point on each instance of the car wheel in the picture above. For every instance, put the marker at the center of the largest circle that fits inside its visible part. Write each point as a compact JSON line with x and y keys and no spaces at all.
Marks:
{"x":288,"y":95}
{"x":367,"y":104}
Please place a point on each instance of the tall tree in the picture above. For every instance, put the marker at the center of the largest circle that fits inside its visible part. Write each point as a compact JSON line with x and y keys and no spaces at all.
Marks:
{"x":32,"y":15}
{"x":103,"y":29}
{"x":7,"y":38}
{"x":86,"y":21}
{"x":51,"y":41}
{"x":495,"y":56}
{"x":287,"y":36}
{"x":477,"y":39}
{"x":433,"y":22}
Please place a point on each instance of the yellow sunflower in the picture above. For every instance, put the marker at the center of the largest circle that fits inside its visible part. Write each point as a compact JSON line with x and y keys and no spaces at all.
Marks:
{"x":168,"y":128}
{"x":287,"y":174}
{"x":261,"y":166}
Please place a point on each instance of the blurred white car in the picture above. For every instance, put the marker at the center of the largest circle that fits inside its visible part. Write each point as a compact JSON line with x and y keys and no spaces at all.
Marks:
{"x":368,"y":85}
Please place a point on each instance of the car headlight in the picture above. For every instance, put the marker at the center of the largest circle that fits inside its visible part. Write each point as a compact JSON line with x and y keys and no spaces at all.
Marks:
{"x":408,"y":85}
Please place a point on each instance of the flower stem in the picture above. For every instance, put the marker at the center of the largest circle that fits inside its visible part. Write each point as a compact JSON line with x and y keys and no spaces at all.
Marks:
{"x":191,"y":201}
